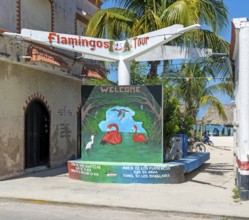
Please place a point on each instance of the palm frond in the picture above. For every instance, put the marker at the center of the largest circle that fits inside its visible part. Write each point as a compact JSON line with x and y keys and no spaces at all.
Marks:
{"x":213,"y":101}
{"x":112,"y":23}
{"x":223,"y":87}
{"x":149,"y":22}
{"x":214,"y":13}
{"x":176,"y":13}
{"x":221,"y":65}
{"x":208,"y":39}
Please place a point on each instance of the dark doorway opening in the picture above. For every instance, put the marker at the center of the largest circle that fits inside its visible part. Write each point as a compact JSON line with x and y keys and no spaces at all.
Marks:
{"x":36,"y":135}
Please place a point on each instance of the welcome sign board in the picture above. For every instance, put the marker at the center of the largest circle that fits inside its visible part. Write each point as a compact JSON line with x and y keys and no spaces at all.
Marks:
{"x":122,"y":124}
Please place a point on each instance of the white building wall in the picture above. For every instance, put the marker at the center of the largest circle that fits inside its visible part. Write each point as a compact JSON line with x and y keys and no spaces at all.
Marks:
{"x":240,"y":57}
{"x":65,"y":9}
{"x":236,"y":110}
{"x":22,"y":81}
{"x":36,"y":14}
{"x":243,"y":93}
{"x":8,"y":20}
{"x":18,"y":87}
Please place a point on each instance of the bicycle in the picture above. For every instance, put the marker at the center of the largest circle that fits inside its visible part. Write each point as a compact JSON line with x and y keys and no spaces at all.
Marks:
{"x":208,"y":142}
{"x":205,"y":140}
{"x":196,"y":146}
{"x":200,"y":147}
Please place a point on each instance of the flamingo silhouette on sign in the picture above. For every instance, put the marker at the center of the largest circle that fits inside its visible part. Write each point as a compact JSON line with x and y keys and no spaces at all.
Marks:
{"x":112,"y":136}
{"x":138,"y":137}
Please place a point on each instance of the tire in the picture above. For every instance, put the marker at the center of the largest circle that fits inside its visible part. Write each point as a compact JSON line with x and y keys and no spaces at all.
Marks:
{"x":190,"y":148}
{"x":193,"y":147}
{"x":210,"y":143}
{"x":200,"y":147}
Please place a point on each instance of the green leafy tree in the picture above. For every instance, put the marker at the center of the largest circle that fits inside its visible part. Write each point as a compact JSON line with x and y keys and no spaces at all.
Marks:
{"x":192,"y":86}
{"x":135,"y":17}
{"x":99,"y":82}
{"x":171,"y":116}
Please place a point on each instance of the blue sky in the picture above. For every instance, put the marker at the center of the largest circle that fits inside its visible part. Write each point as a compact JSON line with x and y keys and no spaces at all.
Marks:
{"x":236,"y":9}
{"x":124,"y":123}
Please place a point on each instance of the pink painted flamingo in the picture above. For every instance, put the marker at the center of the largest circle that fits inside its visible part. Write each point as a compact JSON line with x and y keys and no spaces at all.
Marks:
{"x":112,"y":136}
{"x":138,"y":137}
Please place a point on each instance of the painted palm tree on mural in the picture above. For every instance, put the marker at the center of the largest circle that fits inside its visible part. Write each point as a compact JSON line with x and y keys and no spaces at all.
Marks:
{"x":135,"y":17}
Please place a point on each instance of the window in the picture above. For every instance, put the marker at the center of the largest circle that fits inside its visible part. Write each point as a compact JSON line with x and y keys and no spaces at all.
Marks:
{"x":36,"y":14}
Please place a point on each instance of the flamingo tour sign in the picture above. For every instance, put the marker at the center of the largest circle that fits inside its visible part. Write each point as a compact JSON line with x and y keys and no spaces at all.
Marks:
{"x":122,"y":52}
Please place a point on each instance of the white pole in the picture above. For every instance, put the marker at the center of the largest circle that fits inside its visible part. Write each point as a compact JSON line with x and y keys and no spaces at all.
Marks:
{"x":243,"y":93}
{"x":124,"y":72}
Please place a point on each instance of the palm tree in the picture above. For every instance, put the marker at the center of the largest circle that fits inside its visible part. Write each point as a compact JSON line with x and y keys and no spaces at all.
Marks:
{"x":135,"y":17}
{"x":193,"y":87}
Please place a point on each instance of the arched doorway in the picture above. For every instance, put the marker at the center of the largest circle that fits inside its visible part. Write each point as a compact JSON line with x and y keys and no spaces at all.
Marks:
{"x":36,"y":135}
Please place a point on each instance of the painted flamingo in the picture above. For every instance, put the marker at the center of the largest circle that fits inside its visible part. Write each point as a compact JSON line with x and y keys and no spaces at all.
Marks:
{"x":138,"y":137}
{"x":112,"y":136}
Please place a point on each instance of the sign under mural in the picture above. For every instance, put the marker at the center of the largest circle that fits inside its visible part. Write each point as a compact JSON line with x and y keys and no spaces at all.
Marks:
{"x":122,"y":124}
{"x":126,"y":172}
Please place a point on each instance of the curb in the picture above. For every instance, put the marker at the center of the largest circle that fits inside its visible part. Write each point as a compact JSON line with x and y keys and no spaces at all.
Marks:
{"x":144,"y":210}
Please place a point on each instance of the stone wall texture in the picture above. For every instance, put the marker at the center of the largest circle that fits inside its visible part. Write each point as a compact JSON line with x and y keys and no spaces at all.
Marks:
{"x":20,"y":85}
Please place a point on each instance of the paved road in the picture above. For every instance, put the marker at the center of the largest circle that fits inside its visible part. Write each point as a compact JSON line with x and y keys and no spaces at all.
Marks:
{"x":13,"y":210}
{"x":207,"y":192}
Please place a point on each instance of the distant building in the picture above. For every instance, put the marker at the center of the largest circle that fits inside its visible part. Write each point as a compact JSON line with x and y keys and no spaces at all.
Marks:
{"x":220,"y":126}
{"x":239,"y":54}
{"x":40,"y":86}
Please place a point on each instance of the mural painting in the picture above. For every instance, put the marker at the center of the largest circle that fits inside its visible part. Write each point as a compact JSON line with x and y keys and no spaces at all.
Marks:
{"x":122,"y":124}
